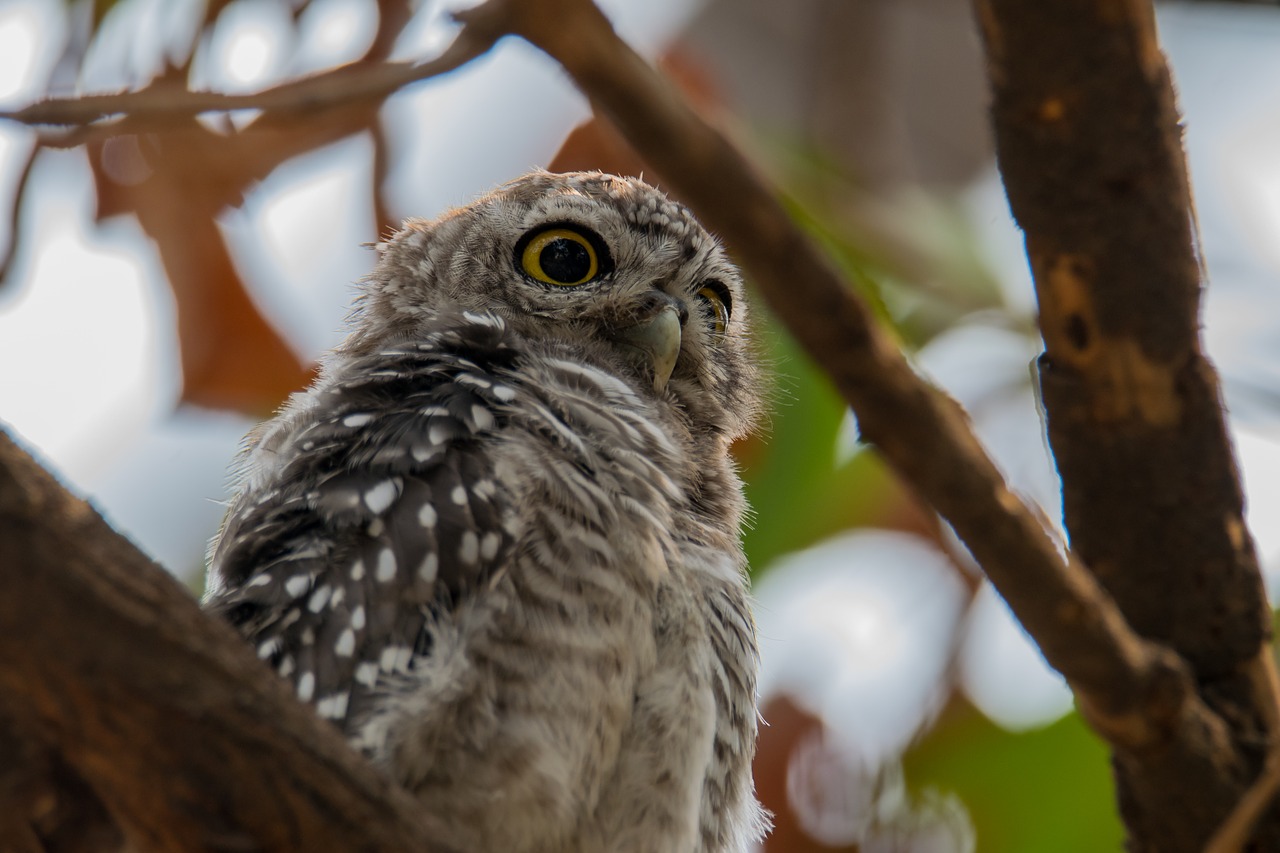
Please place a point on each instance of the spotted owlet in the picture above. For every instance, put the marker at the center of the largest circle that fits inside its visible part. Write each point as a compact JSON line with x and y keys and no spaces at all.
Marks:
{"x":496,"y":542}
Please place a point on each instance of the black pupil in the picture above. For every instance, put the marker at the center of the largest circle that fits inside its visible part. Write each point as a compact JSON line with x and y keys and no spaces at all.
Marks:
{"x":565,"y":260}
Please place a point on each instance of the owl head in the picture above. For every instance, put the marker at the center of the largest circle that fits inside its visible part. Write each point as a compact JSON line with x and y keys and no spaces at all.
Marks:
{"x":605,"y":269}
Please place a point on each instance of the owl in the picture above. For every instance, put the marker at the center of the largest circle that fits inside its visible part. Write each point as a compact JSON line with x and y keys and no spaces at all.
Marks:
{"x":497,"y":541}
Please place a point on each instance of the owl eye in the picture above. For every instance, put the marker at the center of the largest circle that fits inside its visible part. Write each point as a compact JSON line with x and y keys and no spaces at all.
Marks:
{"x":717,"y":302}
{"x":561,"y":256}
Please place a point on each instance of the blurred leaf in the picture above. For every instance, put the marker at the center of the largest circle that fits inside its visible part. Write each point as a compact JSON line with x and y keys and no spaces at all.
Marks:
{"x":911,"y":253}
{"x":853,"y":262}
{"x":178,"y":182}
{"x":596,"y":144}
{"x":232,"y":358}
{"x":797,"y":492}
{"x":176,"y":185}
{"x":788,"y":725}
{"x":1048,"y":790}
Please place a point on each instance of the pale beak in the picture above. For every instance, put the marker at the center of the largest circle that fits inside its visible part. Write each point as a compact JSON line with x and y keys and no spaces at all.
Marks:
{"x":658,"y":340}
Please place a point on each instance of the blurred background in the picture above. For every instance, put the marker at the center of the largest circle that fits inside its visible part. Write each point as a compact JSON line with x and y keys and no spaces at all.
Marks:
{"x":162,"y":292}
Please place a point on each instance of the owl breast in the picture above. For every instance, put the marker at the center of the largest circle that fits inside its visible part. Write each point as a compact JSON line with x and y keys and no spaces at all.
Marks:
{"x":566,"y":630}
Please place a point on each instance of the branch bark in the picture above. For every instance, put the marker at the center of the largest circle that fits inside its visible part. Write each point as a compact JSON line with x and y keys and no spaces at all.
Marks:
{"x":188,"y":741}
{"x":1091,"y":151}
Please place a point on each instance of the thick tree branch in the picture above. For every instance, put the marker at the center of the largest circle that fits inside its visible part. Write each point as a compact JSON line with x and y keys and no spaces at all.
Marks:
{"x":165,"y":714}
{"x":1091,"y":151}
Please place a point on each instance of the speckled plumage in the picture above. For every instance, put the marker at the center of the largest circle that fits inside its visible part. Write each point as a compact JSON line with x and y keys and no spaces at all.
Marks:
{"x":498,"y":546}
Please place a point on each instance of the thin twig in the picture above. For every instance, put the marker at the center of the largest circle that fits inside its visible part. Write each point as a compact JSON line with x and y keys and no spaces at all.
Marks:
{"x":158,"y":107}
{"x":15,"y":213}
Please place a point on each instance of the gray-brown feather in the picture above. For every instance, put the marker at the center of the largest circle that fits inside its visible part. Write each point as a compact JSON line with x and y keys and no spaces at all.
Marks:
{"x":505,"y":561}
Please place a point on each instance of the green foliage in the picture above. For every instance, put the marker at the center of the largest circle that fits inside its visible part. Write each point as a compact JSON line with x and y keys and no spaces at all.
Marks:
{"x":798,"y":494}
{"x":1043,"y":791}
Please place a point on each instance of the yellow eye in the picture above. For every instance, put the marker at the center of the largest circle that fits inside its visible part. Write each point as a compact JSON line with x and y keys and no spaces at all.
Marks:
{"x":716,"y":298}
{"x":561,"y":257}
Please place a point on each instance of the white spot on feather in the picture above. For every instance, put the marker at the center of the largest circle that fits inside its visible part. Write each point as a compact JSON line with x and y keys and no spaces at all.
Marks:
{"x":469,"y":550}
{"x":459,"y":495}
{"x":489,"y":545}
{"x":357,"y":617}
{"x":489,"y":320}
{"x":395,"y":658}
{"x":381,"y":496}
{"x":357,"y":570}
{"x":306,"y":686}
{"x":297,"y":585}
{"x":319,"y":598}
{"x":430,"y":567}
{"x":481,"y":417}
{"x":357,"y":419}
{"x":386,"y":565}
{"x":427,"y":516}
{"x":346,"y":644}
{"x":367,"y":674}
{"x":333,"y":707}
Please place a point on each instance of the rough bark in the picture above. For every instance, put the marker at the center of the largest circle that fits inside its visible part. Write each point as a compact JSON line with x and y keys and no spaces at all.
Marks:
{"x":1090,"y":148}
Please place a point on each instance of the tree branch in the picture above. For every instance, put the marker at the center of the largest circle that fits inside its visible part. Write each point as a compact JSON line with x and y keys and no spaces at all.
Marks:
{"x":162,"y":105}
{"x":1090,"y":147}
{"x":164,"y":713}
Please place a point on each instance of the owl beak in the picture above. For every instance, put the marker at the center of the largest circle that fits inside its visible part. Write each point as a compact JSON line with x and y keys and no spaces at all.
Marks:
{"x":658,"y":342}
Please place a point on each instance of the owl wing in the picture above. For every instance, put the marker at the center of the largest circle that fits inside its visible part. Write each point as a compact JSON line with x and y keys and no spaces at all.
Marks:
{"x":385,"y":515}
